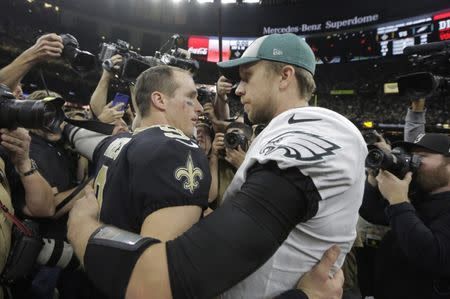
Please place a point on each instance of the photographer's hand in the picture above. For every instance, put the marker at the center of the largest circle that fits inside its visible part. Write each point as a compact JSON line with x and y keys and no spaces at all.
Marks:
{"x":46,"y":47}
{"x":217,"y":144}
{"x":17,"y":142}
{"x":224,"y":87}
{"x":382,"y":143}
{"x":235,"y":156}
{"x":392,"y":188}
{"x":221,"y":106}
{"x":111,"y":113}
{"x":208,"y":109}
{"x":39,"y":197}
{"x":116,"y":61}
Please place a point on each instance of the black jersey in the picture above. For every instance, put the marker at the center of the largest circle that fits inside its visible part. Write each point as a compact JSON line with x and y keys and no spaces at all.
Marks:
{"x":155,"y":168}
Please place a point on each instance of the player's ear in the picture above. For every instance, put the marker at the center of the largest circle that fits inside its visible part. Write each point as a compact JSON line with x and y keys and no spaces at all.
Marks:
{"x":158,"y":100}
{"x":287,"y":76}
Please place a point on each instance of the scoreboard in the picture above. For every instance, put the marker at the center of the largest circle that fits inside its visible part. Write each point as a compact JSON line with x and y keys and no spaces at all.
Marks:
{"x":394,"y":38}
{"x":371,"y":42}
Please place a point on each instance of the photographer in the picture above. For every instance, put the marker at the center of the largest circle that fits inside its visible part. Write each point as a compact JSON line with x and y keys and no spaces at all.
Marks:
{"x":413,"y":258}
{"x":106,"y":113}
{"x":19,"y":178}
{"x":46,"y":47}
{"x":226,"y":157}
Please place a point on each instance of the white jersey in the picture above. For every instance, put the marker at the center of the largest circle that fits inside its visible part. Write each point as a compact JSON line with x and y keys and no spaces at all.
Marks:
{"x":329,"y":149}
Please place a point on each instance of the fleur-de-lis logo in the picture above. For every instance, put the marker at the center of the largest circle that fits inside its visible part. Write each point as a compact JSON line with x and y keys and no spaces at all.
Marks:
{"x":190,"y":173}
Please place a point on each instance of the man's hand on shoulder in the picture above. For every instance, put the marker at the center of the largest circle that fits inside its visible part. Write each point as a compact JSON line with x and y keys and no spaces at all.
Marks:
{"x":317,"y":283}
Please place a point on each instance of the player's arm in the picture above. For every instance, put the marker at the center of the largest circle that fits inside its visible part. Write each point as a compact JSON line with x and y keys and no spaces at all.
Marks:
{"x":168,"y":223}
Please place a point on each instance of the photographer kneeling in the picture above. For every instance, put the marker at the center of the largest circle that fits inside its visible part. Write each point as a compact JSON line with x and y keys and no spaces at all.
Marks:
{"x":413,"y":260}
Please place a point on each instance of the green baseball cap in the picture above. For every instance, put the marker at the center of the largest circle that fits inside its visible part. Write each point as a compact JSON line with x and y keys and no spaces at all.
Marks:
{"x":287,"y":48}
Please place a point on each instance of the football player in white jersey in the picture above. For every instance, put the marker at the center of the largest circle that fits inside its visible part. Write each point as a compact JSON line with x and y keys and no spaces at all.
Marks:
{"x":297,"y":192}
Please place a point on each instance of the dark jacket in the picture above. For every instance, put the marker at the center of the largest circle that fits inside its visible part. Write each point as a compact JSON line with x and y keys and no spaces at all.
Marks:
{"x":413,"y":260}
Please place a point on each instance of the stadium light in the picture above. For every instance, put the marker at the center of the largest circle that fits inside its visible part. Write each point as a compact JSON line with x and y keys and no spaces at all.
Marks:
{"x":47,"y":5}
{"x":227,"y":1}
{"x":251,"y":1}
{"x":205,"y":1}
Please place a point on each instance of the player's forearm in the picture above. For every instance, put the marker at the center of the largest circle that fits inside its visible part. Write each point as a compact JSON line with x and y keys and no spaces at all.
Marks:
{"x":150,"y":276}
{"x":11,"y":74}
{"x":99,"y":97}
{"x":79,"y":231}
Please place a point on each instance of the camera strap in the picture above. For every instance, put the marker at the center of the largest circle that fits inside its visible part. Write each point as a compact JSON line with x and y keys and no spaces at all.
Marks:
{"x":73,"y":194}
{"x":25,"y":230}
{"x":92,"y":125}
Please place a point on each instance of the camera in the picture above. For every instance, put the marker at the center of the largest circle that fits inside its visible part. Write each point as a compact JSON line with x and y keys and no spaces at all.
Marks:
{"x":234,"y":140}
{"x":398,"y":162}
{"x":432,"y":56}
{"x":134,"y":64}
{"x":29,"y":114}
{"x":205,"y":95}
{"x":81,"y":61}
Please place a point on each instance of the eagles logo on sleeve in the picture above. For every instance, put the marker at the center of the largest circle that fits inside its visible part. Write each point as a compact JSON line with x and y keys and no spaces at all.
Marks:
{"x":300,"y":145}
{"x":189,"y":174}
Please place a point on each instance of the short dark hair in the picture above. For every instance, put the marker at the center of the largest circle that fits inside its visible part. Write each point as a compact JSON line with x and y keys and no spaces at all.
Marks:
{"x":248,"y":132}
{"x":158,"y":78}
{"x":305,"y":79}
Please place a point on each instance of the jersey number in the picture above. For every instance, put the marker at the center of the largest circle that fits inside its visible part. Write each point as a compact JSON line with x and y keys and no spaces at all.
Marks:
{"x":99,"y":184}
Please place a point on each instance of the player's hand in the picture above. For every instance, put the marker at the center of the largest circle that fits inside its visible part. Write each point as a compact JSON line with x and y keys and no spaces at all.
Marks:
{"x":17,"y":142}
{"x":111,"y":113}
{"x":317,"y":283}
{"x":218,"y":143}
{"x":235,"y":156}
{"x":46,"y":47}
{"x":85,"y":207}
{"x":392,"y":188}
{"x":224,"y":87}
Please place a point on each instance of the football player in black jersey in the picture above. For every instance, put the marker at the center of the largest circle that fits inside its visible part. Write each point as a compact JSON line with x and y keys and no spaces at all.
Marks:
{"x":156,"y":181}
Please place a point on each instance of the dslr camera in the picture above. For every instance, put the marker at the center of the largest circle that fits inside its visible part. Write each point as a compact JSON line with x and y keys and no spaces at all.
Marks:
{"x":29,"y":114}
{"x":234,"y":140}
{"x":81,"y":61}
{"x":398,"y":162}
{"x":205,"y":95}
{"x":432,"y":56}
{"x":134,"y":64}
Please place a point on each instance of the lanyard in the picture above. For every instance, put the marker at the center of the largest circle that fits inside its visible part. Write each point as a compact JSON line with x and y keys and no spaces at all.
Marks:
{"x":25,"y":230}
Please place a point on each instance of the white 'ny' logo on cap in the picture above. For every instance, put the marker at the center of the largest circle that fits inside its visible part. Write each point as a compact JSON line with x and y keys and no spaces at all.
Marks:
{"x":277,"y":52}
{"x":419,"y":137}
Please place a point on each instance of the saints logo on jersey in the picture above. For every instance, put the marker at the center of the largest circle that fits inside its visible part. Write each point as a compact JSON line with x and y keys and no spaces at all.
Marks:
{"x":300,"y":145}
{"x":188,"y":174}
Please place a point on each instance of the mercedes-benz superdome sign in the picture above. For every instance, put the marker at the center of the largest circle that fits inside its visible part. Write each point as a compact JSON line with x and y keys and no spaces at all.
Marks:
{"x":328,"y":25}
